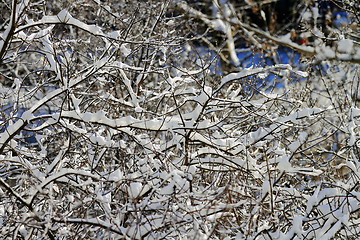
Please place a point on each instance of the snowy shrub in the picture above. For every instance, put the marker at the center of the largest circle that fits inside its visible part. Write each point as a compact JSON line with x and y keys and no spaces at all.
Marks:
{"x":115,"y":123}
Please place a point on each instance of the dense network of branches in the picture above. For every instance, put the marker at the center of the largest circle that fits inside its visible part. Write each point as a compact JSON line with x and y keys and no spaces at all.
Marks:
{"x":179,"y":119}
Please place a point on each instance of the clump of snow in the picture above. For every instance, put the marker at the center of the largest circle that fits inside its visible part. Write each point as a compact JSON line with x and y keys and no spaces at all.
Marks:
{"x":294,"y":146}
{"x":135,"y":189}
{"x":327,"y":52}
{"x":307,"y":16}
{"x":284,"y":163}
{"x":219,"y":25}
{"x":297,"y":225}
{"x":125,"y":49}
{"x":345,"y":46}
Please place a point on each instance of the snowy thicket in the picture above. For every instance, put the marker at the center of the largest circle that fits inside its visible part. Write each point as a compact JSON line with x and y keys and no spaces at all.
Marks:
{"x":117,"y":122}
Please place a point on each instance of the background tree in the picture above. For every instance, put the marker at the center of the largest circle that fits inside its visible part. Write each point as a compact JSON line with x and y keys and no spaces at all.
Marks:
{"x":118,"y":120}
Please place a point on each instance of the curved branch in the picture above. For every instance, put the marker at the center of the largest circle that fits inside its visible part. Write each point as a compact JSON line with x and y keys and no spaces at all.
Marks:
{"x":8,"y":34}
